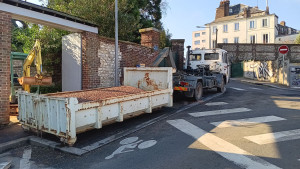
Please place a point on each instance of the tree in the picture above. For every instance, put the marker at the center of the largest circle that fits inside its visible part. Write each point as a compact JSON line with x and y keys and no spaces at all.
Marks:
{"x":24,"y":37}
{"x":297,"y":41}
{"x":133,"y":15}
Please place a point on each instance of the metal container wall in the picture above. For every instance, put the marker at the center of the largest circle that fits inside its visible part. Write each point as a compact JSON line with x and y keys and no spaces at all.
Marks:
{"x":65,"y":117}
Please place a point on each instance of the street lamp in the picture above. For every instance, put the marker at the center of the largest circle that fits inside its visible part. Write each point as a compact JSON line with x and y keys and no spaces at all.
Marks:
{"x":116,"y":45}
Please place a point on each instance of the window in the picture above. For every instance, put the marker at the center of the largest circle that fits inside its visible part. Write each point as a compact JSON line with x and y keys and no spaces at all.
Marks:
{"x":214,"y":43}
{"x":252,"y":39}
{"x":211,"y":56}
{"x":197,"y":34}
{"x":214,"y":29}
{"x":264,"y":22}
{"x":236,"y":40}
{"x":195,"y":57}
{"x":203,"y":41}
{"x":265,"y":38}
{"x":225,"y":40}
{"x":197,"y":42}
{"x":225,"y":28}
{"x":237,"y":26}
{"x":203,"y":33}
{"x":252,"y":24}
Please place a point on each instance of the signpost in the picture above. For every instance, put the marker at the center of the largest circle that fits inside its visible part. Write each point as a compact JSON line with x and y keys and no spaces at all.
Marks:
{"x":283,"y":50}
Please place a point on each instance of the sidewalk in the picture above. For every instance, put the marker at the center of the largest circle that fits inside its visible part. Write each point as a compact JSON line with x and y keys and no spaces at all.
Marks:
{"x":274,"y":85}
{"x":12,"y":132}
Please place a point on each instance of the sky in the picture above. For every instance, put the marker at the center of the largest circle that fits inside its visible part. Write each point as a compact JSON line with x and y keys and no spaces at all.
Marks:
{"x":182,"y":16}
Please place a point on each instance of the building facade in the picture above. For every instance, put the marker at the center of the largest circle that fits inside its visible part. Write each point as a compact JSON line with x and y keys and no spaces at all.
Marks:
{"x":200,"y":39}
{"x":242,"y":24}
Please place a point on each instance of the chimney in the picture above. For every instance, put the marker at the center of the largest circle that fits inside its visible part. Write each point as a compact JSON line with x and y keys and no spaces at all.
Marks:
{"x":283,"y":23}
{"x":267,"y":8}
{"x":223,"y":9}
{"x":150,"y":37}
{"x":246,"y":12}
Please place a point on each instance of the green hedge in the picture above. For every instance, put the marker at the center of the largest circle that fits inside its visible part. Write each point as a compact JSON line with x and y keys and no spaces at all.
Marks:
{"x":46,"y":89}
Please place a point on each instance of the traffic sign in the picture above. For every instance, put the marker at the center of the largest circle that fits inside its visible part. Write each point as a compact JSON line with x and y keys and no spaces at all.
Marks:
{"x":283,"y":49}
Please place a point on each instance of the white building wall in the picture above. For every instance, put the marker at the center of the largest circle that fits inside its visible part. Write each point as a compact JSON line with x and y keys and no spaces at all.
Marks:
{"x":71,"y":62}
{"x":203,"y":39}
{"x":244,"y":33}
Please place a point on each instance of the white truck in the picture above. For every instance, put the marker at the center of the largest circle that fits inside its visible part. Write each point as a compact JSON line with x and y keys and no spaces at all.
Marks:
{"x":204,"y":69}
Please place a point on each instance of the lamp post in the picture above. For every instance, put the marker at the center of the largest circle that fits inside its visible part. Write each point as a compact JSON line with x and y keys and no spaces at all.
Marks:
{"x":116,"y":45}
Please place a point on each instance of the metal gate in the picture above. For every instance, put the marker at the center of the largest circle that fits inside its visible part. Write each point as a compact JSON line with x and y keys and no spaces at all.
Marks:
{"x":237,"y":70}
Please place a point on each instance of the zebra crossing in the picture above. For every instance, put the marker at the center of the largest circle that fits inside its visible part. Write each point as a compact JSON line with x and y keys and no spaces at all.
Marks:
{"x":228,"y":150}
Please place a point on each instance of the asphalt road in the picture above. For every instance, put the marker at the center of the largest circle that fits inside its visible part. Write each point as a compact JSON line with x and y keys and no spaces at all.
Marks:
{"x":250,"y":126}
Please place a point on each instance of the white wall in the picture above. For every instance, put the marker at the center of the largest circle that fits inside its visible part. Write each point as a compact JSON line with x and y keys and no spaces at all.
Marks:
{"x":244,"y":31}
{"x":71,"y":62}
{"x":201,"y":38}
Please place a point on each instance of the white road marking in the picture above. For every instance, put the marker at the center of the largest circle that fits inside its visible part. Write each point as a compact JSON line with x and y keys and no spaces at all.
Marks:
{"x":255,"y":88}
{"x":275,"y":137}
{"x":218,"y":112}
{"x":129,"y":144}
{"x":246,"y":122}
{"x":227,"y":150}
{"x":5,"y":165}
{"x":25,"y":161}
{"x":235,"y":88}
{"x":216,"y":104}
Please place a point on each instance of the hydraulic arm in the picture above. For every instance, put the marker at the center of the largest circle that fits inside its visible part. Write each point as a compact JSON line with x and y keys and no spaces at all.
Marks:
{"x":38,"y":79}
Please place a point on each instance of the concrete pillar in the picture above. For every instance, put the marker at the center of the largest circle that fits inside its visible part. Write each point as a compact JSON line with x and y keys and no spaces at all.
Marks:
{"x":5,"y":49}
{"x":178,"y":49}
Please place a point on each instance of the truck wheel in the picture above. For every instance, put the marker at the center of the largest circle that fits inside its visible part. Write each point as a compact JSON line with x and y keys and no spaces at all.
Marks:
{"x":221,"y":88}
{"x":198,"y":91}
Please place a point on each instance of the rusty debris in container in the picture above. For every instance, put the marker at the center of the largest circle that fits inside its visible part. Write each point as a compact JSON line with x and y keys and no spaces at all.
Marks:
{"x":101,"y":93}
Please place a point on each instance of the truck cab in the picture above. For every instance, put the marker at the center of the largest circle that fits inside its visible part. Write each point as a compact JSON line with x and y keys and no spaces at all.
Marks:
{"x":216,"y":59}
{"x":204,"y":69}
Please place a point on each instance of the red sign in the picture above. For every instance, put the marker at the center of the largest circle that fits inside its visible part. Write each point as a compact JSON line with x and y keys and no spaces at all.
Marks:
{"x":283,"y":49}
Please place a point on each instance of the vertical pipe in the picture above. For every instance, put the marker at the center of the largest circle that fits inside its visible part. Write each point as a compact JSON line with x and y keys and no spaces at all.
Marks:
{"x":116,"y":45}
{"x":283,"y":70}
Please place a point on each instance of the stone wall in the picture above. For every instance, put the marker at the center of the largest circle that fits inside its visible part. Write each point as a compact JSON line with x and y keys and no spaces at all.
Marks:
{"x":263,"y":62}
{"x":98,"y":59}
{"x":5,"y":48}
{"x":260,"y":52}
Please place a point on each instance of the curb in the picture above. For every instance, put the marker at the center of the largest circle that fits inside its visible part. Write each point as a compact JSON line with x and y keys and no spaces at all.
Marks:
{"x":269,"y":85}
{"x":37,"y":141}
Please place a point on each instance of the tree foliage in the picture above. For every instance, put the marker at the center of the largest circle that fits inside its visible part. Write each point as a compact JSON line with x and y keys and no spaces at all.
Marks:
{"x":24,"y":37}
{"x":133,"y":15}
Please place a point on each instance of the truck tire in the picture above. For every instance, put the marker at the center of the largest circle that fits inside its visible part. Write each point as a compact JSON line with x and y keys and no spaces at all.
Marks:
{"x":198,"y":91}
{"x":220,"y":89}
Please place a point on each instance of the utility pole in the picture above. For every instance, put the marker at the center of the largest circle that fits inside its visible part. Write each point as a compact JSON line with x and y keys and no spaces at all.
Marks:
{"x":216,"y":38}
{"x":116,"y":45}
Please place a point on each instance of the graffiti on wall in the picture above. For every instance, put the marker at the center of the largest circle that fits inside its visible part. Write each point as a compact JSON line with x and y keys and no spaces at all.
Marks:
{"x":257,"y":70}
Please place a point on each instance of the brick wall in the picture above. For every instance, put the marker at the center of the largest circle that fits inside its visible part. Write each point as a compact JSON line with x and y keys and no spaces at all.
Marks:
{"x":98,"y":59}
{"x":5,"y":48}
{"x":178,"y":49}
{"x":150,"y":37}
{"x":223,"y":9}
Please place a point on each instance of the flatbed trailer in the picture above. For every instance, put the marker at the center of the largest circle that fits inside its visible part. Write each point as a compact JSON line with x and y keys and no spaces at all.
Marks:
{"x":66,"y":114}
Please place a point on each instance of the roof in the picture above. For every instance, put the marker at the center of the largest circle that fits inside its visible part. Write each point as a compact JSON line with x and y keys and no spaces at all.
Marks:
{"x":237,"y":12}
{"x":48,"y":11}
{"x":287,"y":39}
